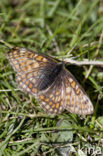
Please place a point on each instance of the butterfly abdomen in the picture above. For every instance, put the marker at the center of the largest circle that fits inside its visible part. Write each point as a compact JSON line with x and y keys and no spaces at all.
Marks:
{"x":50,"y":77}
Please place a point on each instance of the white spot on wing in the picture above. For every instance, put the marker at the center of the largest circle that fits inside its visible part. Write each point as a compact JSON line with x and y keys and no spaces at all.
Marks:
{"x":71,"y":80}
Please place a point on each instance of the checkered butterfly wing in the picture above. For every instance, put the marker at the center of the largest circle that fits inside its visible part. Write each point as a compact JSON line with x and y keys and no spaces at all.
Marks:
{"x":32,"y":70}
{"x":77,"y":100}
{"x":52,"y":99}
{"x":30,"y":67}
{"x":54,"y":92}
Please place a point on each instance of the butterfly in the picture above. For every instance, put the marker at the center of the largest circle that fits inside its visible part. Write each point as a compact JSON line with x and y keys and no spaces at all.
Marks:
{"x":49,"y":82}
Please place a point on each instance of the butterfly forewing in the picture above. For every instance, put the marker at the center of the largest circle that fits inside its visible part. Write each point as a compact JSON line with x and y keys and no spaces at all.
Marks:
{"x":30,"y":67}
{"x":77,"y":100}
{"x":24,"y":60}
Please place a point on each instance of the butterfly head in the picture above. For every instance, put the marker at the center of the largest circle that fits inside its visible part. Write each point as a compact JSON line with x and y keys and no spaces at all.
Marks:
{"x":61,"y":65}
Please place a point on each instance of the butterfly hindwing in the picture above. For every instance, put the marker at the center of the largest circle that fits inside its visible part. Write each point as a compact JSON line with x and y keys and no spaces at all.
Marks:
{"x":52,"y":100}
{"x":77,"y":100}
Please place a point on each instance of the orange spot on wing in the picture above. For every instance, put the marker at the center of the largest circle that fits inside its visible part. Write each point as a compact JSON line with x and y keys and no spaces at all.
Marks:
{"x":57,"y":105}
{"x":27,"y":82}
{"x":86,"y":106}
{"x":80,"y":106}
{"x":32,"y":65}
{"x":22,"y":63}
{"x":80,"y":96}
{"x":78,"y":91}
{"x":72,"y":100}
{"x":76,"y":103}
{"x":50,"y":103}
{"x":39,"y":58}
{"x":23,"y":80}
{"x":23,"y":76}
{"x":56,"y":99}
{"x":24,"y":69}
{"x":34,"y":90}
{"x":30,"y":86}
{"x":57,"y":93}
{"x":73,"y":84}
{"x":31,"y":55}
{"x":41,"y":97}
{"x":53,"y":106}
{"x":47,"y":100}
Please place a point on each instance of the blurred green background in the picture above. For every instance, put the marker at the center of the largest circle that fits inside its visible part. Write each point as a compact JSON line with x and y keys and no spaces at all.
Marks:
{"x":53,"y":27}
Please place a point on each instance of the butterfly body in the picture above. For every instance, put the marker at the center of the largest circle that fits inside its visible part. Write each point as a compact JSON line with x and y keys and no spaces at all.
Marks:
{"x":50,"y":76}
{"x":54,"y":86}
